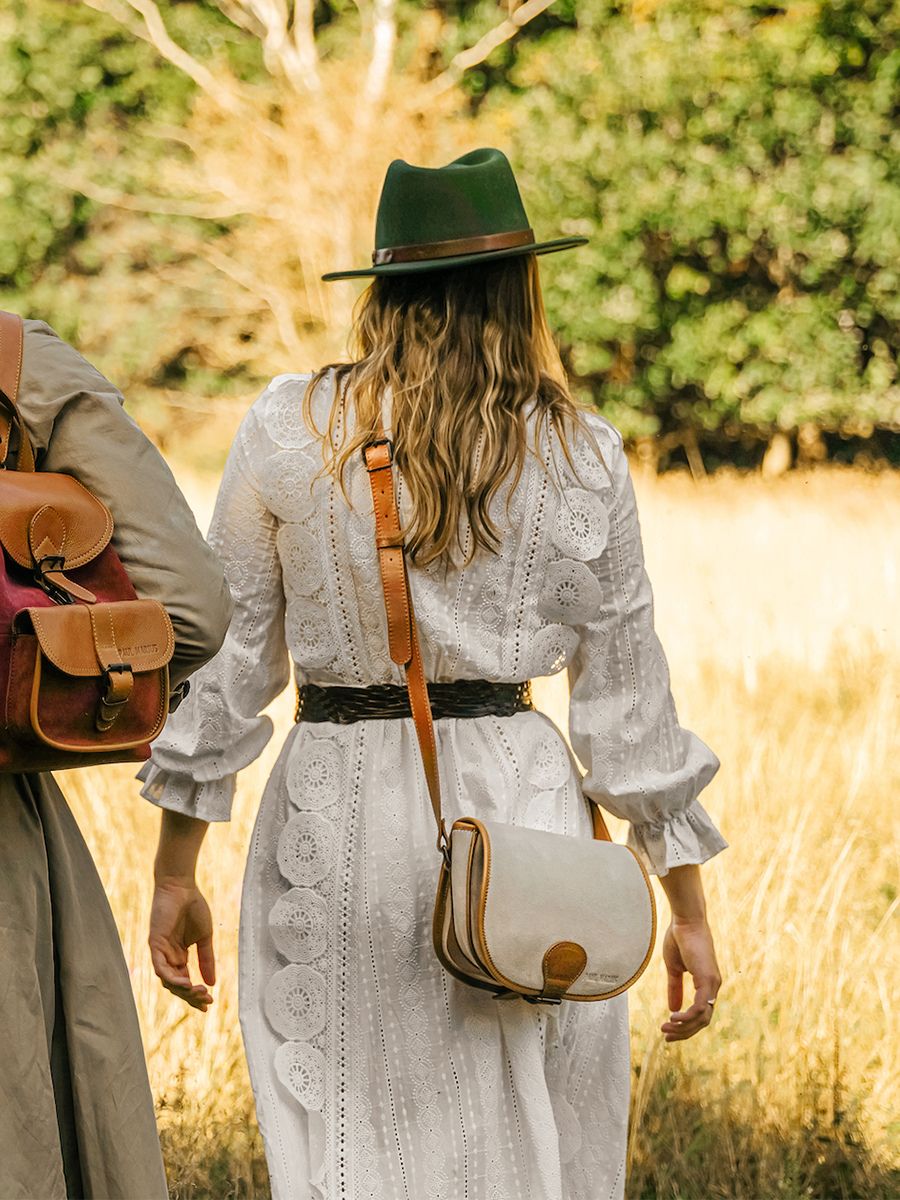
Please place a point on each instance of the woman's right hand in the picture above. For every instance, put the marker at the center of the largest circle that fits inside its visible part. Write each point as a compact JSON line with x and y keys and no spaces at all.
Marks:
{"x":180,"y":918}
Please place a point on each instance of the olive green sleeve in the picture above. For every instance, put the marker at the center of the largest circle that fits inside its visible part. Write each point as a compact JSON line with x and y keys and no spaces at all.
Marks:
{"x":78,"y":425}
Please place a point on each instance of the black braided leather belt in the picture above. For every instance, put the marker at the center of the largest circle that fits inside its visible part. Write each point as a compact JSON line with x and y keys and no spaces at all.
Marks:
{"x":387,"y":701}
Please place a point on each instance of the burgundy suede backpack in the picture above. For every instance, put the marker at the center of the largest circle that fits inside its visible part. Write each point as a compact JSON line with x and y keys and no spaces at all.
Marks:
{"x":84,"y":675}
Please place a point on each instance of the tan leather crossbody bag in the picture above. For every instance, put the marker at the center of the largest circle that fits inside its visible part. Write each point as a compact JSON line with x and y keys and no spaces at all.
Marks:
{"x":519,"y":912}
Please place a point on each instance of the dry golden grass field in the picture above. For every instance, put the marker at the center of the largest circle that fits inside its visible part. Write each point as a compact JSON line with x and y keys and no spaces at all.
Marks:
{"x":778,"y":605}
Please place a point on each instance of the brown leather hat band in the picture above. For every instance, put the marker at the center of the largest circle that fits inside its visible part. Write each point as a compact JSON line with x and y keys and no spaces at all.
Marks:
{"x":423,"y":251}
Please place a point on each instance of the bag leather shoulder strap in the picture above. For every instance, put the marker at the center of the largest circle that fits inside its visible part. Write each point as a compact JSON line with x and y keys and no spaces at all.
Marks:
{"x":403,"y":634}
{"x":11,"y":345}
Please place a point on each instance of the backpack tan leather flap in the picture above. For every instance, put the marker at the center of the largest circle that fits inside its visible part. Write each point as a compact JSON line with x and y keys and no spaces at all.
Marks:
{"x":86,"y":639}
{"x":47,"y":515}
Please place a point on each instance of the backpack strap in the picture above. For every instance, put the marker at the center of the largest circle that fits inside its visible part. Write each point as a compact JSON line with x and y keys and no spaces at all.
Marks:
{"x":11,"y":344}
{"x":403,"y":635}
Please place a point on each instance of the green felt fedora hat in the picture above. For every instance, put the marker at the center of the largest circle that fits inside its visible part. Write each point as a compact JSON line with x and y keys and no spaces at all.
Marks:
{"x":437,"y":217}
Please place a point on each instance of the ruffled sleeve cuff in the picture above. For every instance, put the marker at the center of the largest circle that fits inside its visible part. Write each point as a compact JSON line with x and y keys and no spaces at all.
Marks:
{"x":208,"y":800}
{"x":686,"y":837}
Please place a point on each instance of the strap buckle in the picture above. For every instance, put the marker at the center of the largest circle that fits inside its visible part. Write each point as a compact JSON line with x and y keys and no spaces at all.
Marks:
{"x":52,"y":563}
{"x":118,"y":690}
{"x":119,"y":680}
{"x":373,"y":445}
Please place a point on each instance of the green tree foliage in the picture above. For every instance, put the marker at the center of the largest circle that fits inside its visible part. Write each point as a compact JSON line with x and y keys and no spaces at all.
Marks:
{"x":176,"y":174}
{"x":734,"y":166}
{"x":81,"y":95}
{"x":66,"y":73}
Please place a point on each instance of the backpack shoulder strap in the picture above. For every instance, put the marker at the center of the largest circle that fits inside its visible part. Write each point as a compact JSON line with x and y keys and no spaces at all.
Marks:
{"x":11,"y":345}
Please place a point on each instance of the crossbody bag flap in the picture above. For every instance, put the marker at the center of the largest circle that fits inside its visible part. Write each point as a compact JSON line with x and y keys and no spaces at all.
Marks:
{"x":527,"y":895}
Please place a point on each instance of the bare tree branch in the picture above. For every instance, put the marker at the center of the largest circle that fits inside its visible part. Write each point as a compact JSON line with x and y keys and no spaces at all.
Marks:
{"x":152,"y":29}
{"x":466,"y":59}
{"x":384,"y":38}
{"x":162,"y":205}
{"x":143,"y":19}
{"x":256,"y":285}
{"x":237,"y":14}
{"x":287,"y":36}
{"x":304,"y":39}
{"x":275,"y":19}
{"x":277,"y":301}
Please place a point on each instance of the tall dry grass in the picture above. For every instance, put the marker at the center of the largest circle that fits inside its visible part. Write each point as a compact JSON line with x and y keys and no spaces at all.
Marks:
{"x":777,"y":604}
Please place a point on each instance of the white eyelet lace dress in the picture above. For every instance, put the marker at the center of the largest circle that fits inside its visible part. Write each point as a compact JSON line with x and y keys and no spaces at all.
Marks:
{"x":375,"y":1074}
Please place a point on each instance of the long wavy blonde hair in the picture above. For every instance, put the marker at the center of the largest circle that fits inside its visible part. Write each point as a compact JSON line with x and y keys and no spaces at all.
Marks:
{"x":465,"y":352}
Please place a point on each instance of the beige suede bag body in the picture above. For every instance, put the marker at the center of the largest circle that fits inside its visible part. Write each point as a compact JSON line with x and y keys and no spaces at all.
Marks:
{"x":519,"y":912}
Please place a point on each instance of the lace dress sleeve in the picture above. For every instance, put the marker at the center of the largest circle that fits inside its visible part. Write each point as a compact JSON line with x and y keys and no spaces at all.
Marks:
{"x":641,"y":764}
{"x":218,"y":729}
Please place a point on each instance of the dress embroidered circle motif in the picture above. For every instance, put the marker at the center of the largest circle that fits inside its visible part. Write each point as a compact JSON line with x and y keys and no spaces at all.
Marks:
{"x":284,"y":415}
{"x":295,"y":1002}
{"x":553,"y":647}
{"x":314,"y":775}
{"x":589,"y":469}
{"x":308,"y":633}
{"x":362,"y":553}
{"x":581,"y":526}
{"x":285,"y":483}
{"x":572,"y":593}
{"x":297,"y":924}
{"x":306,"y":849}
{"x":550,"y":765}
{"x":301,"y":1068}
{"x":301,"y":562}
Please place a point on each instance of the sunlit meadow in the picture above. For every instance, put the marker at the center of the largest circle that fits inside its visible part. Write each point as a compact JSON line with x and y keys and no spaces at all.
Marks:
{"x":777,"y":602}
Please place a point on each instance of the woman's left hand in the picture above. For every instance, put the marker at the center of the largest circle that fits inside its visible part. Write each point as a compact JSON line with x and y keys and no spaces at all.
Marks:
{"x":180,"y":918}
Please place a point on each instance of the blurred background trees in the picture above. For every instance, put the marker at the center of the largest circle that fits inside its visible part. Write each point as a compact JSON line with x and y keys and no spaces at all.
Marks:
{"x":175,"y":176}
{"x":734,"y":165}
